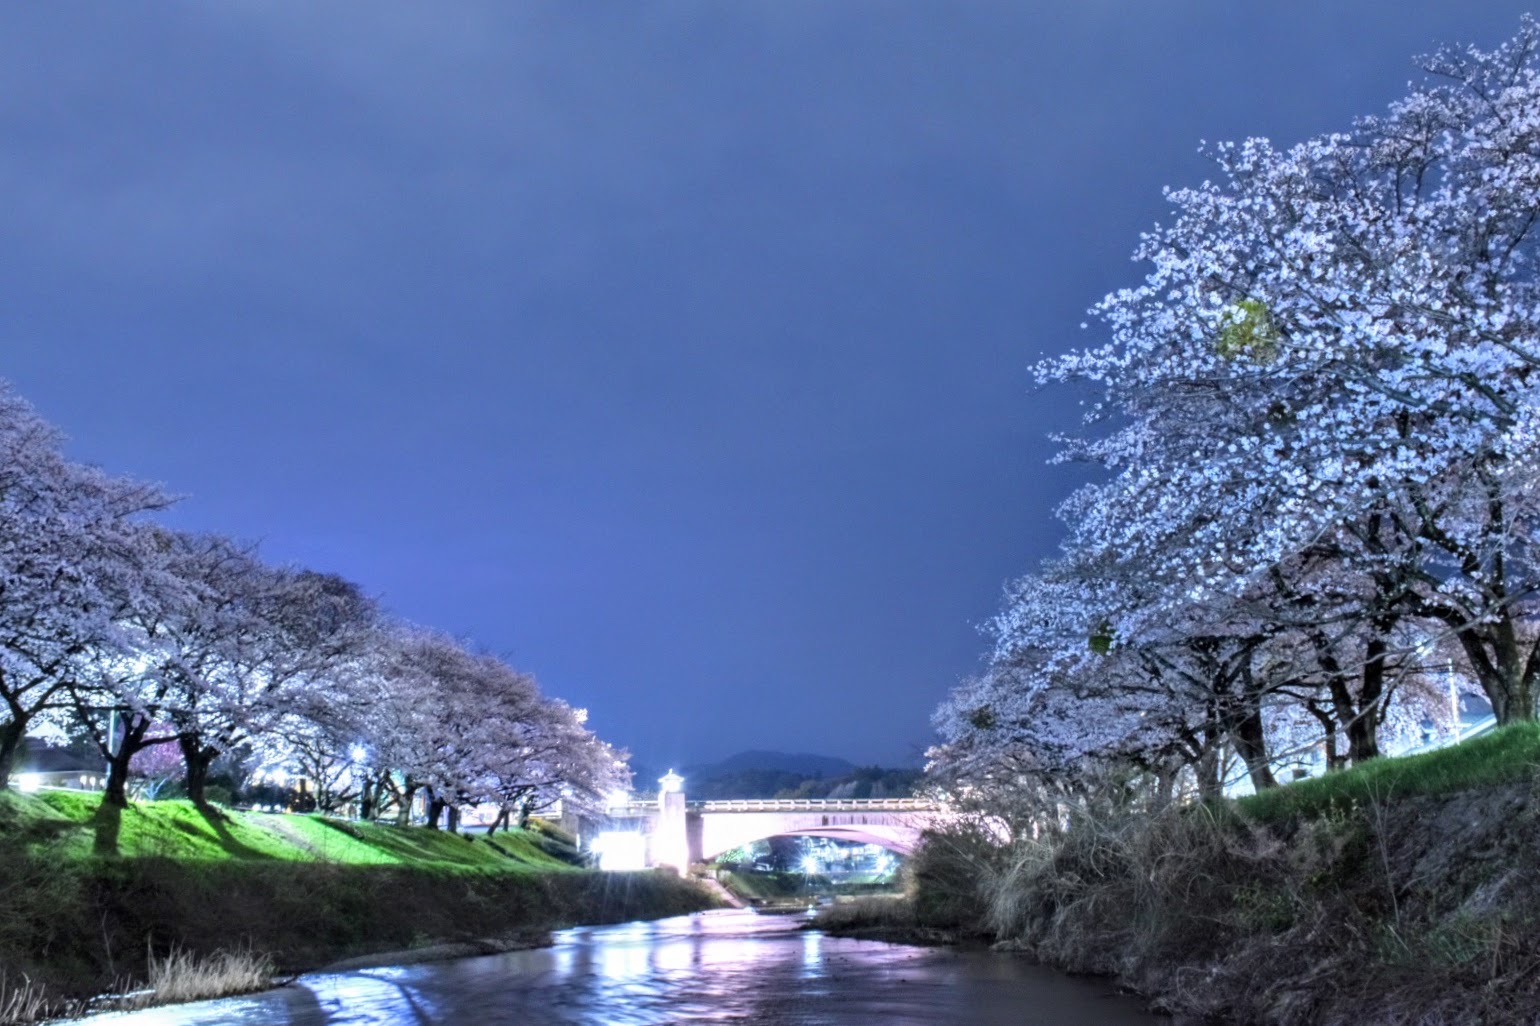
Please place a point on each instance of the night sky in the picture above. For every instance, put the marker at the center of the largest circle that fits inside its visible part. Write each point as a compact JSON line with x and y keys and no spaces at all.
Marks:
{"x":678,"y":352}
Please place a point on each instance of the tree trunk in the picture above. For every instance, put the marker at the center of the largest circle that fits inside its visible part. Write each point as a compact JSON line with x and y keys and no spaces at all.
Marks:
{"x":436,"y":807}
{"x":1206,"y":770}
{"x":198,"y":757}
{"x":408,"y":794}
{"x":1516,"y":678}
{"x":1164,"y":793}
{"x":368,"y":799}
{"x":1328,"y":722}
{"x":1251,"y":745}
{"x":503,"y":816}
{"x":1363,"y":739}
{"x":1513,"y":701}
{"x":11,"y":735}
{"x":1356,"y":717}
{"x":120,"y":755}
{"x":1363,"y":729}
{"x":454,"y":818}
{"x":1493,"y":656}
{"x":116,"y":791}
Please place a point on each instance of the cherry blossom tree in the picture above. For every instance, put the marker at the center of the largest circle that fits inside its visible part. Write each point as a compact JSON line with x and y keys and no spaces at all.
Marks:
{"x":372,"y":733}
{"x":1318,"y":419}
{"x":67,"y":565}
{"x":551,"y":757}
{"x":121,"y":695}
{"x":253,"y":642}
{"x":149,"y":640}
{"x":1064,"y":692}
{"x":1332,"y":333}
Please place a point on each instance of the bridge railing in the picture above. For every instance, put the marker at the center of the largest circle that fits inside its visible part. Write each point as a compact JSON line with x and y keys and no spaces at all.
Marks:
{"x":643,"y":809}
{"x":816,"y":805}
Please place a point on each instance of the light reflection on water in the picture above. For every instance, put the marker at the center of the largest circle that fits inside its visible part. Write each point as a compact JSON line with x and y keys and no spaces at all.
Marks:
{"x":718,"y":967}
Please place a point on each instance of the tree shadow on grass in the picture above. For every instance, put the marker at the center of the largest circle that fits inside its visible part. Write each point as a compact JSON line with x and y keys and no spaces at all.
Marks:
{"x":107,"y":824}
{"x":220,"y":824}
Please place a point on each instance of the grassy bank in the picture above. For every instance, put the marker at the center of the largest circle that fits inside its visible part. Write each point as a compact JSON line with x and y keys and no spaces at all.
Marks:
{"x":70,"y":826}
{"x":91,"y":898}
{"x":1406,"y":891}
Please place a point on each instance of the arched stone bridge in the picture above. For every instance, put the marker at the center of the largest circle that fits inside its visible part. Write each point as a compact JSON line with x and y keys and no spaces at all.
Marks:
{"x":681,"y":832}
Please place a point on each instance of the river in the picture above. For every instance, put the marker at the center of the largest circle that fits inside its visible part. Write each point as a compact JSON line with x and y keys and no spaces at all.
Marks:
{"x":715,"y":967}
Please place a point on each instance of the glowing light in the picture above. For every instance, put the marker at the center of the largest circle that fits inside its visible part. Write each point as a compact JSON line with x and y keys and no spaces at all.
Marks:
{"x":619,"y":799}
{"x":620,"y":850}
{"x":29,"y":783}
{"x":810,"y":865}
{"x":358,"y":753}
{"x":671,"y":782}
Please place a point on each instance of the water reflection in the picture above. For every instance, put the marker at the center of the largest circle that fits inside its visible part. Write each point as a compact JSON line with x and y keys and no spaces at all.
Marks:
{"x":719,"y":967}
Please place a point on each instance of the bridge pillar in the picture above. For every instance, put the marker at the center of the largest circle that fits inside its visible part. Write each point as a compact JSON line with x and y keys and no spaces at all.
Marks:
{"x":671,"y":835}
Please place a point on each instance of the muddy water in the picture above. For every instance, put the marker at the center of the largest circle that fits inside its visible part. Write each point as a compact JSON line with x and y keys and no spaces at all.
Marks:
{"x":717,"y":967}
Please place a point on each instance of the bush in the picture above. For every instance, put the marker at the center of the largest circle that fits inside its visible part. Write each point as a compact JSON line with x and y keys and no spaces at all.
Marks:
{"x":949,"y":876}
{"x":219,"y":794}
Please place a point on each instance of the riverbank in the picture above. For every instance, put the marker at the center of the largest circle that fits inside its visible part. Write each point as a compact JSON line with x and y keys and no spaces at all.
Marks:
{"x":718,"y":967}
{"x":1407,"y":891}
{"x":90,"y":898}
{"x":894,"y":920}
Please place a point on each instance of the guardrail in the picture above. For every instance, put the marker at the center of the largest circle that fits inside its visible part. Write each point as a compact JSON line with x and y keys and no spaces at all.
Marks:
{"x":649,"y":808}
{"x":817,"y":805}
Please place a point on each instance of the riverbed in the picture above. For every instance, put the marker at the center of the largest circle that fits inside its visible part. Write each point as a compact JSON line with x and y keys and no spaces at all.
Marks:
{"x":715,"y":967}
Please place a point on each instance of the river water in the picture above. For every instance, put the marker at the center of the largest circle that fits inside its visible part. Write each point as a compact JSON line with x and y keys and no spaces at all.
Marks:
{"x":715,"y":967}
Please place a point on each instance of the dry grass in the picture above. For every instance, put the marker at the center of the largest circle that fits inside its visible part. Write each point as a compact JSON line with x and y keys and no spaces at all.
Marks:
{"x":21,"y":1001}
{"x":185,"y":976}
{"x":866,"y":913}
{"x":1389,"y":909}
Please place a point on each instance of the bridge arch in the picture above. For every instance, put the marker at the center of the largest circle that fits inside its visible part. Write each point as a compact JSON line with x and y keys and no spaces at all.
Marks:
{"x":899,"y":840}
{"x":678,"y":833}
{"x":716,"y":830}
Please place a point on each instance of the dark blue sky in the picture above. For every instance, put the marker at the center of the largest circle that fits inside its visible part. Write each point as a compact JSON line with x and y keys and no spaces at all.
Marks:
{"x":676,"y":351}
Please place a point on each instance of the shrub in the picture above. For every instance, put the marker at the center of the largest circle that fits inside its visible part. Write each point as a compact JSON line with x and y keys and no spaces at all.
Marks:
{"x":949,"y":876}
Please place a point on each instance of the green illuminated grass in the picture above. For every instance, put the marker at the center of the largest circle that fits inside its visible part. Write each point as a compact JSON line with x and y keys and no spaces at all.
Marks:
{"x":27,"y":817}
{"x":91,"y":898}
{"x":70,"y":824}
{"x":763,"y":886}
{"x":1498,"y":757}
